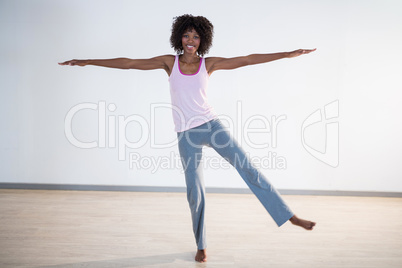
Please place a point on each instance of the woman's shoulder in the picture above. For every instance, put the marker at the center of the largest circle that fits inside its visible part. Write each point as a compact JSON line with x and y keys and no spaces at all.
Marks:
{"x":209,"y":63}
{"x":212,"y":60}
{"x":168,"y":61}
{"x":168,"y":57}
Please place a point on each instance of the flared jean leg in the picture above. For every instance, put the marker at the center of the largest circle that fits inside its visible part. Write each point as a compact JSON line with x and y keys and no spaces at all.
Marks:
{"x":270,"y":198}
{"x":191,"y":157}
{"x":214,"y":134}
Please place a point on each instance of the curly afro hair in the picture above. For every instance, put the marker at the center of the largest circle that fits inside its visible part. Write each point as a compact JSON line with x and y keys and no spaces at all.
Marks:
{"x":189,"y":22}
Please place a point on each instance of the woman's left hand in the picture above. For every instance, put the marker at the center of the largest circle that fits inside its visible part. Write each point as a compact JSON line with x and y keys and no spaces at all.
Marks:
{"x":299,"y":52}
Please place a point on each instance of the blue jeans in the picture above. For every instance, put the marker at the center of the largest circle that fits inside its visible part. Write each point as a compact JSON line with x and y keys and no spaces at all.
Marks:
{"x":214,"y":134}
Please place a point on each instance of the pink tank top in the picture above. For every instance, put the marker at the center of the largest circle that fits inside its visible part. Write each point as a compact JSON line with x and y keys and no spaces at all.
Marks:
{"x":189,"y":97}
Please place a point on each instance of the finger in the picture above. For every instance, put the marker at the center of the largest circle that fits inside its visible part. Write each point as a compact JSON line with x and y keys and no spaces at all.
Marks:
{"x":309,"y":50}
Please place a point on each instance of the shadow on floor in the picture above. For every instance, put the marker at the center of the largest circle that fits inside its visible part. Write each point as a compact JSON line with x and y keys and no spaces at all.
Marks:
{"x":131,"y":262}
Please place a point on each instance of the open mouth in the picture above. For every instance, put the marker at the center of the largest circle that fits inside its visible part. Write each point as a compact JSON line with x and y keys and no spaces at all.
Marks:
{"x":190,"y":46}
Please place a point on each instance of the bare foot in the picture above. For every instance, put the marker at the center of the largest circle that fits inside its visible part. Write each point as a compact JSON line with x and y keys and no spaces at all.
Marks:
{"x":201,"y":255}
{"x":308,"y":225}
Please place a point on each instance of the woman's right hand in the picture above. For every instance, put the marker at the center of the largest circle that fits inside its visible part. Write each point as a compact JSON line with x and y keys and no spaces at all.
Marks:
{"x":74,"y":62}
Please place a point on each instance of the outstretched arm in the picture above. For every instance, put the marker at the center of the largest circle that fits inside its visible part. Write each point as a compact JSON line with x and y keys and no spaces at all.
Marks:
{"x":161,"y":62}
{"x":216,"y":63}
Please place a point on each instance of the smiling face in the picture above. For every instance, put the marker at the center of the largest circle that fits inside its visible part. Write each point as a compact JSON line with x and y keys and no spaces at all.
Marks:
{"x":191,"y":41}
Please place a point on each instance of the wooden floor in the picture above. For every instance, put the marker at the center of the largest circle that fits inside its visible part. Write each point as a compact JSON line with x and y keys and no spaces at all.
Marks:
{"x":132,"y":229}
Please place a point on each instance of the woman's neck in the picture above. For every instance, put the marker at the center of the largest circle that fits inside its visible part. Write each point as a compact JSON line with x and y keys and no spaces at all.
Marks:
{"x":189,"y":58}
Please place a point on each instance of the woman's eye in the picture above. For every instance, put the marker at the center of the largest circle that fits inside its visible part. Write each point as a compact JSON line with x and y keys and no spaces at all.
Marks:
{"x":196,"y":37}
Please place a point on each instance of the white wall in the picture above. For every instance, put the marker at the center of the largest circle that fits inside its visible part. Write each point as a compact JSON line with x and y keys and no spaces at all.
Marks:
{"x":357,"y":66}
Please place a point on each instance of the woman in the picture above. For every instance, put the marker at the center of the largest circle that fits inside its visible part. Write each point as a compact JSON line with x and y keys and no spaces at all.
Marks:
{"x":197,"y":124}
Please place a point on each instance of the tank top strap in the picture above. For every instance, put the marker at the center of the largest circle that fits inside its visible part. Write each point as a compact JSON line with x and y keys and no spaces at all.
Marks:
{"x":176,"y":64}
{"x":203,"y":67}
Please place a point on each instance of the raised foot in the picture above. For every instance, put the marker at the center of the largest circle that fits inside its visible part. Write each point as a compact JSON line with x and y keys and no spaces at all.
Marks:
{"x":201,"y":255}
{"x":308,"y":225}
